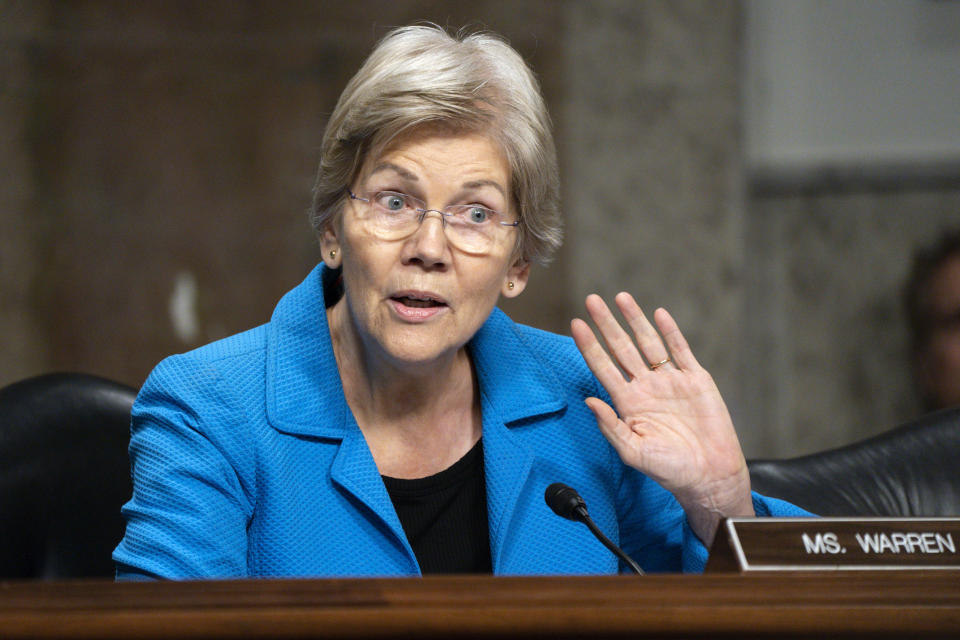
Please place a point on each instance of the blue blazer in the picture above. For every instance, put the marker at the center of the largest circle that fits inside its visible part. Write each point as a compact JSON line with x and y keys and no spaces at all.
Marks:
{"x":247,"y":461}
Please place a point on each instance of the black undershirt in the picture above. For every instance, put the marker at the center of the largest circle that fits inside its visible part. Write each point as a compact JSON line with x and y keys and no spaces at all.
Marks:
{"x":445,"y":516}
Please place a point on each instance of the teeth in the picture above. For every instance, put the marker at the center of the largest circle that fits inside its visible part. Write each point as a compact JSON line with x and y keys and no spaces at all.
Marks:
{"x":412,"y":301}
{"x":421,"y":298}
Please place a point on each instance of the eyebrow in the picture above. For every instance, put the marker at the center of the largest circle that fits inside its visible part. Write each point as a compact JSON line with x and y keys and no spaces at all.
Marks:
{"x":476,"y":184}
{"x":407,"y":175}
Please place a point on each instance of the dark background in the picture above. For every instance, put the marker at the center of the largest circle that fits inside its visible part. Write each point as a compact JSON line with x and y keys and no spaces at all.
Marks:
{"x":156,"y":162}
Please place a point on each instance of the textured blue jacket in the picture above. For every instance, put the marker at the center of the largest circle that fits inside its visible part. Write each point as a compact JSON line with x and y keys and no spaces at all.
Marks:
{"x":247,"y":461}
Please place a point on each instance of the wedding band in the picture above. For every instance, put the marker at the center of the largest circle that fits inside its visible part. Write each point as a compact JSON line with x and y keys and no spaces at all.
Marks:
{"x":659,"y":364}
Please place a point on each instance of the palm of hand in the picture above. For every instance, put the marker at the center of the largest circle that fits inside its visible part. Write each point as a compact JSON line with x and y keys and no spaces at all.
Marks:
{"x":670,"y":421}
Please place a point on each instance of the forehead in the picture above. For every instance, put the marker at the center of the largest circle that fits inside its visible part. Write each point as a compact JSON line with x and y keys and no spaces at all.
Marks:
{"x":431,"y":154}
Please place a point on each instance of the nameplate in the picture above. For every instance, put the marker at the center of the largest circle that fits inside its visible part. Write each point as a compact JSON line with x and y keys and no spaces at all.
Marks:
{"x":837,"y":544}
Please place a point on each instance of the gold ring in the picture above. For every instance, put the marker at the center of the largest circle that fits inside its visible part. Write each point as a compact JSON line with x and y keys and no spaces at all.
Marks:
{"x":659,"y":364}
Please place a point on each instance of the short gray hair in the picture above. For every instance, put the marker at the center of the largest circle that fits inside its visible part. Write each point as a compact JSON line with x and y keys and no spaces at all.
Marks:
{"x":422,"y":75}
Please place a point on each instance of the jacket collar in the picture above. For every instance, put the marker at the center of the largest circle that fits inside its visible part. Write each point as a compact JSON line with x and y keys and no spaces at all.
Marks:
{"x":512,"y":376}
{"x":304,"y":395}
{"x":303,"y":391}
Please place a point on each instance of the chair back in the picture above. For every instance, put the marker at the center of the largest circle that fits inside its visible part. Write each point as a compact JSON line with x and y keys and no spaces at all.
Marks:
{"x":64,"y":474}
{"x":913,"y":470}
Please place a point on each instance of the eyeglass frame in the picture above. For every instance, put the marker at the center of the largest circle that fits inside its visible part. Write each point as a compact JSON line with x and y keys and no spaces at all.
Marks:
{"x":423,"y":211}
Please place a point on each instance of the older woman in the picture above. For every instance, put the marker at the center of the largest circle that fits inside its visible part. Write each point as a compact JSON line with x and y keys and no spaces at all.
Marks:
{"x":389,"y":420}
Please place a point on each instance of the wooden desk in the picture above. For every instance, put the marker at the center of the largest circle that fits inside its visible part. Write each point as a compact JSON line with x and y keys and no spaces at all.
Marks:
{"x":874,"y":604}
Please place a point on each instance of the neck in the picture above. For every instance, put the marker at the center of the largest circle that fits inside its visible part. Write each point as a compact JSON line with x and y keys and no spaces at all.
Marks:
{"x":418,"y":418}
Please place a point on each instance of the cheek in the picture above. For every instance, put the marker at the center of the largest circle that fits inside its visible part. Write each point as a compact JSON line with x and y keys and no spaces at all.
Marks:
{"x":485,"y":283}
{"x":360,"y":285}
{"x":364,"y":262}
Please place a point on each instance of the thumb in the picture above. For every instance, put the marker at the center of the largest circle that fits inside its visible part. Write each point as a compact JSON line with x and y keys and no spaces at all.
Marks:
{"x":606,"y":417}
{"x":617,"y":433}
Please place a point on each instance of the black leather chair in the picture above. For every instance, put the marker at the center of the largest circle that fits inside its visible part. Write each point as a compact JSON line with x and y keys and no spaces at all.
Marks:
{"x":913,"y":470}
{"x":64,"y":474}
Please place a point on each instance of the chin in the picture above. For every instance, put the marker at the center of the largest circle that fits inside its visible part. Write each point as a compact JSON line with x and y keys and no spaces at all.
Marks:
{"x":420,"y":350}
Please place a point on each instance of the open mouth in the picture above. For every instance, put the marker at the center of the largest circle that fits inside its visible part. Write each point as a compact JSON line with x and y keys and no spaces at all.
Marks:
{"x":420,"y":302}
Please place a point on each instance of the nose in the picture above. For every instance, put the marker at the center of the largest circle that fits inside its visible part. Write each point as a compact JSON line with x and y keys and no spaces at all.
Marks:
{"x":428,"y":245}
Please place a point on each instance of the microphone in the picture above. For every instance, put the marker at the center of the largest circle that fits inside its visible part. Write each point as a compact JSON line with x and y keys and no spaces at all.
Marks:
{"x":567,"y":503}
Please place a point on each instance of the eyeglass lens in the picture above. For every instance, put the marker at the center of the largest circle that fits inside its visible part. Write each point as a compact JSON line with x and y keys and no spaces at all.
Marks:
{"x":394,"y":216}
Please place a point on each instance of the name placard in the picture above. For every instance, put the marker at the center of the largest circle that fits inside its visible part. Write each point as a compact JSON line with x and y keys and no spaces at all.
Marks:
{"x":811,"y":544}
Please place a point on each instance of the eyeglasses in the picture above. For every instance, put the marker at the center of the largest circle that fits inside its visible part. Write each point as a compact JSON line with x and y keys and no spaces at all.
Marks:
{"x":395,"y":216}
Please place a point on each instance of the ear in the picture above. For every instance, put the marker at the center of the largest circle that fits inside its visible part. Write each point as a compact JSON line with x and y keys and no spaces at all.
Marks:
{"x":330,"y":246}
{"x":518,"y":275}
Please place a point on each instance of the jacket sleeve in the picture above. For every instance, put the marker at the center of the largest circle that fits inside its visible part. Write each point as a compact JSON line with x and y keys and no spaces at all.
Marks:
{"x":654,"y":530}
{"x":695,"y":554}
{"x":189,"y":511}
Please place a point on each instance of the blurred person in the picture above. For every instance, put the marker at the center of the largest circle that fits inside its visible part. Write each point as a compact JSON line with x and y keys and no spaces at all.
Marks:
{"x":932,"y":299}
{"x":389,"y":419}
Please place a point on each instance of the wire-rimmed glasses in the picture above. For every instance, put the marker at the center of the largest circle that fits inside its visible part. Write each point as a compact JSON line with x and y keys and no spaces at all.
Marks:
{"x":392,"y":215}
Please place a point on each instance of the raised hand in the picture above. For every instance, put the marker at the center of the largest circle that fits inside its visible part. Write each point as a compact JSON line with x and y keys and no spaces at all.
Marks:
{"x":670,"y":421}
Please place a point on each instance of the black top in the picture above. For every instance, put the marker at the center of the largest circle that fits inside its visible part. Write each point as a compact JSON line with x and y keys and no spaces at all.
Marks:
{"x":445,"y":516}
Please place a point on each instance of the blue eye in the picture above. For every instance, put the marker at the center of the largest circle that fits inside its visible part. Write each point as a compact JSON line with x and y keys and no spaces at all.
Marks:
{"x":478,"y":215}
{"x":391,"y":201}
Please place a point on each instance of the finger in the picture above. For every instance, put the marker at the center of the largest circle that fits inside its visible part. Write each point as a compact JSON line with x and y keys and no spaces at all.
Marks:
{"x":619,"y":341}
{"x":651,"y":344}
{"x":613,"y":429}
{"x":596,"y":357}
{"x":682,"y":355}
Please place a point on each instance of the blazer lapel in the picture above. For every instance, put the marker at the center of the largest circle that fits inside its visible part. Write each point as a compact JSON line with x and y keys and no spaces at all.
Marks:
{"x":514,"y":387}
{"x":303,"y":392}
{"x":355,"y":471}
{"x":507,"y":465}
{"x":304,"y":397}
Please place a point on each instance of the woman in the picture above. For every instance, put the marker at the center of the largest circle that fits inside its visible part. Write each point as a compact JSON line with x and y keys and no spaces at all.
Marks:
{"x":388,"y":420}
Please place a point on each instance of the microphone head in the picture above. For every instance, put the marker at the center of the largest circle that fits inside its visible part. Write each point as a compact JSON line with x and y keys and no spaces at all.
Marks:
{"x":565,"y":502}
